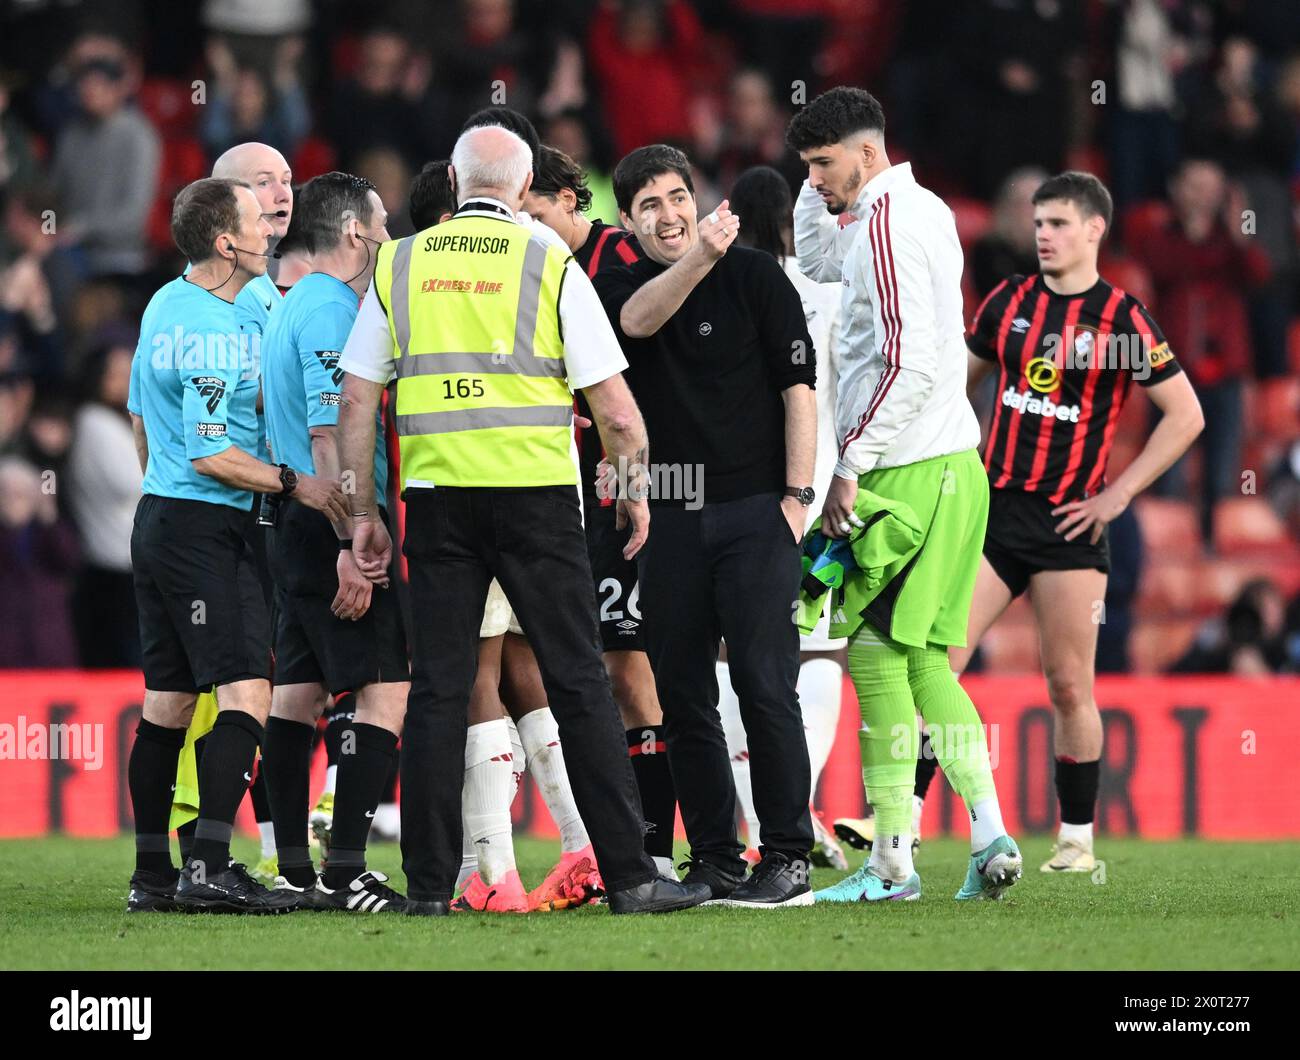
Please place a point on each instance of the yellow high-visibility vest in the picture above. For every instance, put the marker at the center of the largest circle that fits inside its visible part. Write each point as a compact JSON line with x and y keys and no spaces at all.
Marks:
{"x":473,"y":308}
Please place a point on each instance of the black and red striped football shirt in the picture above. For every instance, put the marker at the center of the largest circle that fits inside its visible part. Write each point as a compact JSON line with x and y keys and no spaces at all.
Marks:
{"x":607,"y":247}
{"x":1065,"y":363}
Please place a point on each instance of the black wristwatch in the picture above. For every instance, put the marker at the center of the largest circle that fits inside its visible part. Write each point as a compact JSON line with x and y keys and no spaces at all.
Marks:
{"x":805,"y":495}
{"x":288,"y":480}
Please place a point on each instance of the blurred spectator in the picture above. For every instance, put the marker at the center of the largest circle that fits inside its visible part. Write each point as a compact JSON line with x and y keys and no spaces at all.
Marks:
{"x":30,"y":238}
{"x":38,"y":556}
{"x":242,"y":106}
{"x":105,"y":168}
{"x":1203,"y":267}
{"x":252,"y":30}
{"x":17,"y":163}
{"x":1237,"y":120}
{"x":1156,"y":40}
{"x":1124,"y":536}
{"x":16,"y":394}
{"x":783,"y":37}
{"x":1249,"y":641}
{"x":28,"y":306}
{"x":103,"y":489}
{"x":752,"y":133}
{"x":391,"y":176}
{"x":47,"y":441}
{"x":1240,"y":122}
{"x":570,"y":132}
{"x":1010,"y":247}
{"x":1284,"y":488}
{"x":486,"y":58}
{"x":382,"y":104}
{"x":642,"y":53}
{"x":1018,"y":60}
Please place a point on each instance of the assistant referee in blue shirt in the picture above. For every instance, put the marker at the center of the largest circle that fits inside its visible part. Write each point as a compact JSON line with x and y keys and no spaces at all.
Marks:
{"x":203,"y":619}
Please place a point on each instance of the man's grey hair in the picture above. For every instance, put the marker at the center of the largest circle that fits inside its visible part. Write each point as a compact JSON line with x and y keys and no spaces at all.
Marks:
{"x":490,"y":157}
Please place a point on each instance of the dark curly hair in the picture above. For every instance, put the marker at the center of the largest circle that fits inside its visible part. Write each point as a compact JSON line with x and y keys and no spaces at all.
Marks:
{"x":556,"y":171}
{"x":833,"y":116}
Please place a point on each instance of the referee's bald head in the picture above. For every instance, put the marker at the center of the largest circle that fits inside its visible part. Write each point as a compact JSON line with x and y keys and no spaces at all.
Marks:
{"x":265,"y":170}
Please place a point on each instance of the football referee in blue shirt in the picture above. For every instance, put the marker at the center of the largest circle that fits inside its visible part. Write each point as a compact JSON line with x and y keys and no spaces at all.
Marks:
{"x":335,"y":631}
{"x":203,"y":619}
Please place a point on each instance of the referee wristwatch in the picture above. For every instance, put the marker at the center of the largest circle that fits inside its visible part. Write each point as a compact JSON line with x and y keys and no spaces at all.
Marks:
{"x":288,"y":480}
{"x":805,"y":495}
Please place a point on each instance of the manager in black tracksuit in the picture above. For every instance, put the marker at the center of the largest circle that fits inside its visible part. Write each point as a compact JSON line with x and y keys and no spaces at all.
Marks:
{"x":723,"y":368}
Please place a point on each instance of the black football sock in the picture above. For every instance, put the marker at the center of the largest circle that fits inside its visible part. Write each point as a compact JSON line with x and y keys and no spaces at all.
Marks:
{"x":151,"y":774}
{"x":1076,"y":789}
{"x":654,"y":780}
{"x":286,"y":765}
{"x":926,"y":766}
{"x":361,"y":779}
{"x":185,"y":832}
{"x":226,"y":772}
{"x":390,"y":785}
{"x":340,"y":717}
{"x":257,"y":794}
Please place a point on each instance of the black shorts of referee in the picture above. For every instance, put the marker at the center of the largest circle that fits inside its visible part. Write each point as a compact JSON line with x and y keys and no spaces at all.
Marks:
{"x":311,"y":645}
{"x":1021,"y":540}
{"x":618,"y":606}
{"x":203,"y":618}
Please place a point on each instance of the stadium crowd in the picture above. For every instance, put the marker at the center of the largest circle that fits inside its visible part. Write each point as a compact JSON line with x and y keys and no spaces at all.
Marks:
{"x":1190,"y":109}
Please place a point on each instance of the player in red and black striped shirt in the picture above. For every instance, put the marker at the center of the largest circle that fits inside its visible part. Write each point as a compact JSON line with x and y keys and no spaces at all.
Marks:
{"x":557,"y":198}
{"x":1067,"y":347}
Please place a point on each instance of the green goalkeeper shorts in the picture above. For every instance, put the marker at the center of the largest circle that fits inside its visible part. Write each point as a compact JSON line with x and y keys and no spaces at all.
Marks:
{"x":928,"y":600}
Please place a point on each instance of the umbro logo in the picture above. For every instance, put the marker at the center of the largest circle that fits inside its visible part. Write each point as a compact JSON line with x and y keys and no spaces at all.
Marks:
{"x":329,"y":360}
{"x":1020,"y":325}
{"x":212,"y":387}
{"x":628,"y":624}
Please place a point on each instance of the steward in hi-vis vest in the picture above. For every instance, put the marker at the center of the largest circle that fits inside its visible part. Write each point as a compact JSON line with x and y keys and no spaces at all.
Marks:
{"x":473,"y":309}
{"x":489,"y":328}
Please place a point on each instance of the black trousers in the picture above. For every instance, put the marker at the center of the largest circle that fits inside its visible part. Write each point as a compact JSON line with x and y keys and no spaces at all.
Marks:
{"x":730,"y":570}
{"x":531,"y":540}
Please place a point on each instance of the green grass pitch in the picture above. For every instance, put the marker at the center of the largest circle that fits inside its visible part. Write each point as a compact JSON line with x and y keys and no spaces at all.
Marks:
{"x":1178,"y":905}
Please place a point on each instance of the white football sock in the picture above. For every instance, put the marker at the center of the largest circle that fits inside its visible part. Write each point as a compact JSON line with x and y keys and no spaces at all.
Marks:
{"x":820,"y":688}
{"x":520,"y":761}
{"x":485,"y":798}
{"x":1079,"y":834}
{"x":388,"y":818}
{"x":331,"y":775}
{"x":918,"y":804}
{"x":267,"y":830}
{"x":985,"y":823}
{"x":540,"y":735}
{"x":666,"y":867}
{"x":891,"y":857}
{"x":738,"y":751}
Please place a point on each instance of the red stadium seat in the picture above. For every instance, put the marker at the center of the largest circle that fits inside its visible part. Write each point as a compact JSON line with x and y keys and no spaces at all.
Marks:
{"x":1243,"y":524}
{"x":1169,"y":527}
{"x":183,"y":162}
